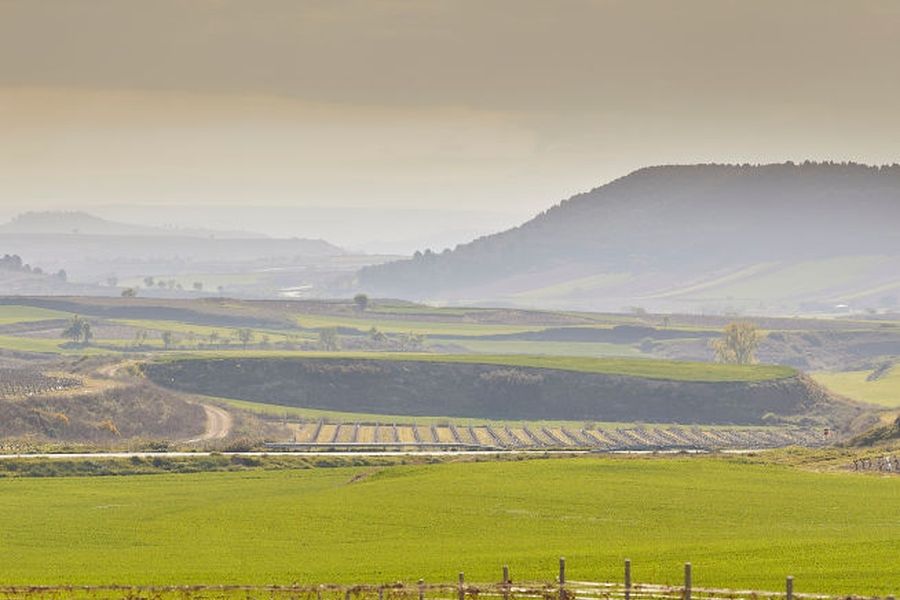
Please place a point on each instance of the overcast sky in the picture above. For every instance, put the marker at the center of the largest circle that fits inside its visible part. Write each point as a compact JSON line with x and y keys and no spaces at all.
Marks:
{"x":507,"y":106}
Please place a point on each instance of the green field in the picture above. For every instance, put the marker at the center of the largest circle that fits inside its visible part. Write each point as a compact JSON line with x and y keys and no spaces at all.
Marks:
{"x":742,"y":525}
{"x":853,"y":384}
{"x":202,"y":332}
{"x":632,"y":367}
{"x":333,"y":416}
{"x":596,"y":349}
{"x":365,"y":321}
{"x":44,"y":345}
{"x":20,"y":314}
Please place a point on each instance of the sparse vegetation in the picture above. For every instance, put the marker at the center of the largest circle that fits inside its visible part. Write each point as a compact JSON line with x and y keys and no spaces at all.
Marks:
{"x":118,"y":413}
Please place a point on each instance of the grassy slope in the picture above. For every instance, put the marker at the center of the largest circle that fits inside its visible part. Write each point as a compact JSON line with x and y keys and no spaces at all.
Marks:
{"x":20,"y":314}
{"x":554,"y":348}
{"x":793,"y":279}
{"x":634,"y":367}
{"x":365,"y":321}
{"x":333,"y":416}
{"x":203,"y":331}
{"x":46,"y":345}
{"x":853,"y":384}
{"x":741,"y":525}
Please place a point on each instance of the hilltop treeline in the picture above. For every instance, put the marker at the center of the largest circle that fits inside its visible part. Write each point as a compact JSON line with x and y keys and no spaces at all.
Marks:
{"x":14,"y":263}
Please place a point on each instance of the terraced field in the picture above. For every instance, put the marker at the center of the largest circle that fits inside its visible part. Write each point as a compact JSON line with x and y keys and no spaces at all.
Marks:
{"x":318,"y":435}
{"x":420,"y":387}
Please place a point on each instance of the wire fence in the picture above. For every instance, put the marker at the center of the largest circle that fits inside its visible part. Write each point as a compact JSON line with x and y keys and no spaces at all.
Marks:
{"x":882,"y":464}
{"x":561,"y":589}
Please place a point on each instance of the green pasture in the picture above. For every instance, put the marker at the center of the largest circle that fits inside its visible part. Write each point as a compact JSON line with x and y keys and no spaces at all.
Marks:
{"x":742,"y":525}
{"x":46,"y":346}
{"x":596,"y":349}
{"x":334,"y":416}
{"x":202,"y":332}
{"x":853,"y":384}
{"x":365,"y":322}
{"x":10,"y":314}
{"x":632,"y":367}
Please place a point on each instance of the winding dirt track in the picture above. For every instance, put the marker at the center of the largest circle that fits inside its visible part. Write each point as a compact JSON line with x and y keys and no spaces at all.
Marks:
{"x":218,"y":424}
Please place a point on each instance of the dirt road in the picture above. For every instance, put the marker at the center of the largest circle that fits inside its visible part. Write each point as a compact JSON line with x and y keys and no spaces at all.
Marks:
{"x":218,"y":424}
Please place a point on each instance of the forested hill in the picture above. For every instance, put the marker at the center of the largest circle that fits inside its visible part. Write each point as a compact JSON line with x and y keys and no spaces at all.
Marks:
{"x":717,"y":236}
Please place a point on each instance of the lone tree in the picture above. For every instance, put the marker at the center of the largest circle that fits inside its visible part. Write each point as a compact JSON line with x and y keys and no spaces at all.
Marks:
{"x":328,"y":340}
{"x":738,"y":344}
{"x":168,"y":339}
{"x":245,"y":336}
{"x":361,"y":301}
{"x":79,"y":330}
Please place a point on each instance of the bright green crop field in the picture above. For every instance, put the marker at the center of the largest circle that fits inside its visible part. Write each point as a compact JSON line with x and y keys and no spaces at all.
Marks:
{"x":742,"y":525}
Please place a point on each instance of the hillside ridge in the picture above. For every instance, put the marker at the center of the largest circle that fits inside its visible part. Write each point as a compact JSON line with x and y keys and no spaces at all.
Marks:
{"x":678,"y":235}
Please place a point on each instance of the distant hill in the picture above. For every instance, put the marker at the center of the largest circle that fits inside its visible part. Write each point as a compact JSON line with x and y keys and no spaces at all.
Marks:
{"x":96,"y":251}
{"x":82,"y":223}
{"x":779,"y":237}
{"x":19,"y":278}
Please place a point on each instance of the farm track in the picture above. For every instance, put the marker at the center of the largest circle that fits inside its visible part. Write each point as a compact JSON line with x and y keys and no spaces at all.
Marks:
{"x":218,"y":424}
{"x":536,"y":437}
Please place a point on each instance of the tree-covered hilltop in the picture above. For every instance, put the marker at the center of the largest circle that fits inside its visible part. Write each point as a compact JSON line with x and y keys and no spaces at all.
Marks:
{"x":14,"y":263}
{"x":673,"y":232}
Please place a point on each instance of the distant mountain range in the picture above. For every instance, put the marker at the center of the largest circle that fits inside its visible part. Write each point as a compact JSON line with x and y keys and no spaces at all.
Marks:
{"x":97,"y":251}
{"x":771,"y":238}
{"x":82,"y":223}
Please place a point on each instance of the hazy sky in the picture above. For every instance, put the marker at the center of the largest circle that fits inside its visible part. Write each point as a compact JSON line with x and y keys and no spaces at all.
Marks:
{"x":501,"y":105}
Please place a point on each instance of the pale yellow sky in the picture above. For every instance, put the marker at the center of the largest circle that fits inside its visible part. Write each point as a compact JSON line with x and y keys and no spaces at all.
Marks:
{"x":507,"y":105}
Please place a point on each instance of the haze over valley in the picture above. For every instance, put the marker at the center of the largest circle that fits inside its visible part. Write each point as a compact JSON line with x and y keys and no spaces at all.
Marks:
{"x":495,"y":300}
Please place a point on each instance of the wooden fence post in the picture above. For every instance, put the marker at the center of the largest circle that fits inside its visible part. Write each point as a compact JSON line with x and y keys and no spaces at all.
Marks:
{"x":627,"y":579}
{"x":562,"y":578}
{"x":687,"y":581}
{"x":421,"y":589}
{"x":462,"y":586}
{"x":505,"y":582}
{"x":789,"y":588}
